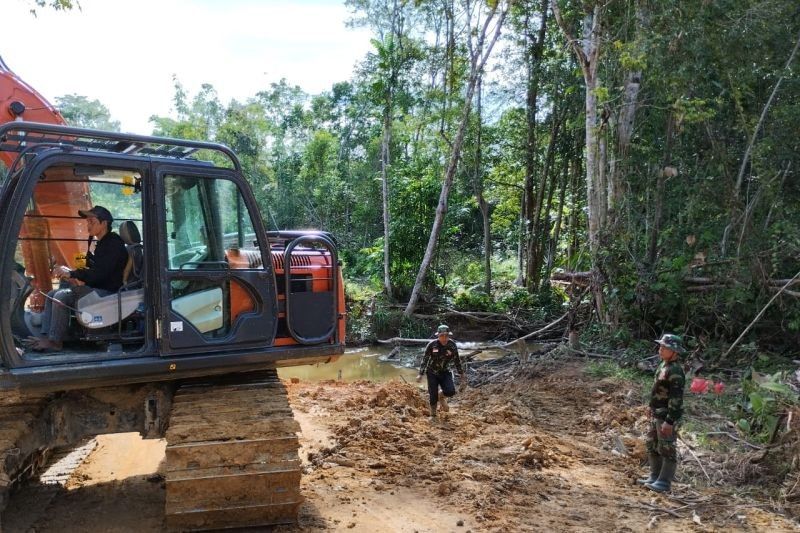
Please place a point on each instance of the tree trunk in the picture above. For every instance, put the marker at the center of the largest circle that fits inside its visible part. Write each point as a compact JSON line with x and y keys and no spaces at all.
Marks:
{"x":572,"y":235}
{"x":658,"y":209}
{"x":588,"y":54}
{"x":477,"y":63}
{"x":553,"y":242}
{"x":519,"y":281}
{"x":482,"y":204}
{"x":385,"y":147}
{"x":539,"y":237}
{"x":625,"y":121}
{"x":535,"y":51}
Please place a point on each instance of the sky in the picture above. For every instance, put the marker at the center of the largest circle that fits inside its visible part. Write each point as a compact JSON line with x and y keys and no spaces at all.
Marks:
{"x":125,"y":53}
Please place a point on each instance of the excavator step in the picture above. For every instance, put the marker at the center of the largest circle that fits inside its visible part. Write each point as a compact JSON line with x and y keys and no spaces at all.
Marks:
{"x":231,"y":457}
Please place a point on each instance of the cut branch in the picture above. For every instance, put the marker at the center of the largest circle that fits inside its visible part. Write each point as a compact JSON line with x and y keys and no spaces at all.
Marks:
{"x":760,"y":314}
{"x":538,"y":331}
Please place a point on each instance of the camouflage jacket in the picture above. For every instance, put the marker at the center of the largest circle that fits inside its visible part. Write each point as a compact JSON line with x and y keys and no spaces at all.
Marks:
{"x":439,"y":357}
{"x":666,"y":398}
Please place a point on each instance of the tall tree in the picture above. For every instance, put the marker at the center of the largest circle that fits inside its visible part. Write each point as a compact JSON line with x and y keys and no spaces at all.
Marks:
{"x":486,"y":27}
{"x":587,"y":51}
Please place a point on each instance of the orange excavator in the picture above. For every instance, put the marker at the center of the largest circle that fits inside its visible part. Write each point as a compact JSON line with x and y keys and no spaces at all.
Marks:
{"x":187,"y":349}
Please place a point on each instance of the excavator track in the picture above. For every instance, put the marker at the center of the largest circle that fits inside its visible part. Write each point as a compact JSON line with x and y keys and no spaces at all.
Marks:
{"x":231,"y":457}
{"x":23,"y":441}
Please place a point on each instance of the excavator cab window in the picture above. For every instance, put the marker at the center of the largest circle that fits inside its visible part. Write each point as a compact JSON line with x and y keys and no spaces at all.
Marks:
{"x":209,"y":232}
{"x":54,"y":234}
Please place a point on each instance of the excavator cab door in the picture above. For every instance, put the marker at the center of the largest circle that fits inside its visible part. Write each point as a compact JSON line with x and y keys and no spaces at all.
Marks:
{"x":217,"y":290}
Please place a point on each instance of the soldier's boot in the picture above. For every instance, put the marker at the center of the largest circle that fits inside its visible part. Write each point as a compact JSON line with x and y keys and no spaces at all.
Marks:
{"x":655,"y":469}
{"x":664,"y":481}
{"x":433,"y":411}
{"x":443,"y":405}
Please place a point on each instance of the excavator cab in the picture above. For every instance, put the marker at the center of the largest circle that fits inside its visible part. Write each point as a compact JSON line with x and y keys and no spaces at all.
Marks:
{"x":207,"y":288}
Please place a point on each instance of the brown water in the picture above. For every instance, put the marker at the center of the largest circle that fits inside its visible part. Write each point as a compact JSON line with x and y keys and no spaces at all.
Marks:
{"x":355,"y":364}
{"x":365,"y":363}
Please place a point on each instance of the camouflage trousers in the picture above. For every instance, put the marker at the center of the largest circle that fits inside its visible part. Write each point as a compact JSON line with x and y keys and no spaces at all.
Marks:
{"x":659,"y":444}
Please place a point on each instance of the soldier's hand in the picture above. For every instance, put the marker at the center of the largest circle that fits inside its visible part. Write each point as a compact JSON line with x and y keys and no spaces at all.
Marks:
{"x":666,"y":430}
{"x":419,"y":378}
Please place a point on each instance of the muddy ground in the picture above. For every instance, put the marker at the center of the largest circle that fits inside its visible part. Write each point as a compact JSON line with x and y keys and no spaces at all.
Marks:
{"x":552,"y":450}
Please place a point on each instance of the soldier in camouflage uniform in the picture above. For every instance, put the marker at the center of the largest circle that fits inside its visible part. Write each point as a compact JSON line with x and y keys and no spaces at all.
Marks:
{"x":440,"y":354}
{"x":666,"y":408}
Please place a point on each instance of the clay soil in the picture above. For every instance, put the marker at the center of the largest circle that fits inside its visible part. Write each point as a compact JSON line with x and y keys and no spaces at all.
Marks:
{"x":551,"y":450}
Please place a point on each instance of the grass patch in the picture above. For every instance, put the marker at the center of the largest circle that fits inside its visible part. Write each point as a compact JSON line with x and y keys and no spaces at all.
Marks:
{"x":610,"y":369}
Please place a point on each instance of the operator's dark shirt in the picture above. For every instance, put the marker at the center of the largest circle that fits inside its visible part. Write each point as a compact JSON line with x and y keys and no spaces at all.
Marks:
{"x":438,"y":357}
{"x":104,"y":267}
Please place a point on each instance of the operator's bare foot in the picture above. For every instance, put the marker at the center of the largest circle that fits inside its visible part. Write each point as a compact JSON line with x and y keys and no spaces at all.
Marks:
{"x":46,"y":345}
{"x":31,"y":341}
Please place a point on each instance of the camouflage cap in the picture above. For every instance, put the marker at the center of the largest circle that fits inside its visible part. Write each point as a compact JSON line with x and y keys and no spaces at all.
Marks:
{"x":673,"y":342}
{"x":443,"y":330}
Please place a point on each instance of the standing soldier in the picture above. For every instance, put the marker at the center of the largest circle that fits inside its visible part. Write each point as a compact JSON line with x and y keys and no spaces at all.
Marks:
{"x":666,"y":408}
{"x":440,"y":354}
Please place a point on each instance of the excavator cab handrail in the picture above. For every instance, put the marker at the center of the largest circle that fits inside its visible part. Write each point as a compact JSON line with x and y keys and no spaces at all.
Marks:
{"x":19,"y":136}
{"x":319,"y":238}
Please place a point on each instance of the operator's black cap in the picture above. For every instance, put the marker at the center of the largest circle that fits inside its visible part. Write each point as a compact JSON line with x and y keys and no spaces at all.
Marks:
{"x":99,"y":212}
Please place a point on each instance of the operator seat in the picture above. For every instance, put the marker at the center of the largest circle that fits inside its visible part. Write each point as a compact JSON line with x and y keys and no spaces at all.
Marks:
{"x":95,"y":311}
{"x":133,"y":243}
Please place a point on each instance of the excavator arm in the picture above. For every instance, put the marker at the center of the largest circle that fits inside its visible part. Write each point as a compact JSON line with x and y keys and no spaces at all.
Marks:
{"x":20,"y":102}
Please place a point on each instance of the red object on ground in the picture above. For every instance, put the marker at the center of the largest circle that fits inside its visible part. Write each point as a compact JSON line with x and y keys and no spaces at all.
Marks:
{"x":719,"y":387}
{"x":699,"y":386}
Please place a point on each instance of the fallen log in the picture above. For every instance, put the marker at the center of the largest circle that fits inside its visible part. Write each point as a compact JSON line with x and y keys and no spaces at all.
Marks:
{"x":542,"y":330}
{"x":795,"y":294}
{"x":705,"y":288}
{"x":403,"y":341}
{"x":591,"y":354}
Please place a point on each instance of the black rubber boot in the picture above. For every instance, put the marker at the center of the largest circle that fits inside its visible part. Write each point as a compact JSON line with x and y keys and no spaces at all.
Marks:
{"x":664,"y":481}
{"x":655,"y":469}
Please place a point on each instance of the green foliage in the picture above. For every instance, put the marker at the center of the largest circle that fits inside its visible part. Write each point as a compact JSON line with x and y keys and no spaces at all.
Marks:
{"x":631,"y":55}
{"x":361,"y":311}
{"x":610,"y":369}
{"x":475,"y":300}
{"x":81,"y":112}
{"x":57,"y":5}
{"x":764,"y":397}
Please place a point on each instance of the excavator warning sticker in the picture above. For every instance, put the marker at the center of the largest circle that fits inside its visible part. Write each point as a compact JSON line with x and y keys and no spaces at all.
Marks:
{"x":175,"y":326}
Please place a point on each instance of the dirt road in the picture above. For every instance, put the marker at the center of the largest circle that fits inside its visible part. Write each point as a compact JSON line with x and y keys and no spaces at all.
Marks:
{"x":553,"y":450}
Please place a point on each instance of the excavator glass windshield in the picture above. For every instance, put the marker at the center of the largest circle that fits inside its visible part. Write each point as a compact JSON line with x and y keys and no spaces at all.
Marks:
{"x":208,"y":228}
{"x":53,"y":234}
